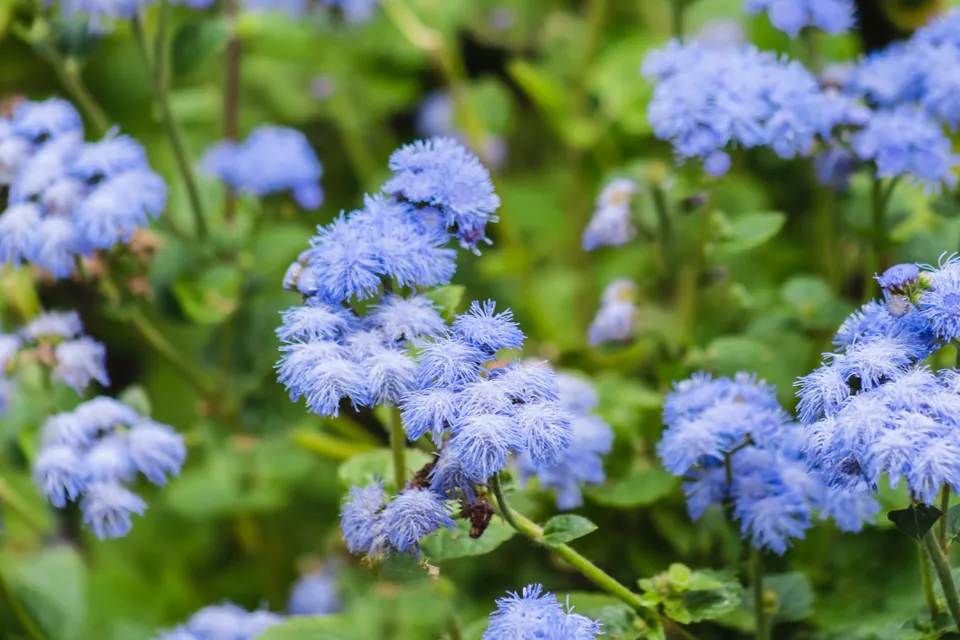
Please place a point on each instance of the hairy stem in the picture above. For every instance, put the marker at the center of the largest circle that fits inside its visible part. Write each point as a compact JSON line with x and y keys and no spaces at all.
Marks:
{"x":398,"y":443}
{"x":760,"y":610}
{"x":926,"y":581}
{"x":231,"y":95}
{"x":942,"y":566}
{"x":944,"y":507}
{"x":171,"y":127}
{"x":69,"y":74}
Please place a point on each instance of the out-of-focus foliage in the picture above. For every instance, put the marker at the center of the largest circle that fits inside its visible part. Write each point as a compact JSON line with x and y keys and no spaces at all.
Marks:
{"x":557,"y":84}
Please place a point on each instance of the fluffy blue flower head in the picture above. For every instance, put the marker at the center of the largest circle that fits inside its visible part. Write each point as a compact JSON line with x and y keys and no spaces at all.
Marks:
{"x":224,"y":621}
{"x":898,"y":276}
{"x":616,"y":320}
{"x":89,"y":454}
{"x":315,"y":594}
{"x":612,"y":224}
{"x":790,"y":16}
{"x":441,"y":173}
{"x":360,"y":518}
{"x":270,"y":160}
{"x":535,"y":614}
{"x":940,"y":303}
{"x":412,"y":515}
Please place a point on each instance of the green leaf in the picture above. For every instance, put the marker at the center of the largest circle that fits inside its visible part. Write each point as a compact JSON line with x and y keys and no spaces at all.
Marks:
{"x":312,"y":628}
{"x":51,"y":588}
{"x":74,"y":38}
{"x":448,"y":298}
{"x":712,"y":595}
{"x":953,"y":523}
{"x":448,"y":545}
{"x":136,"y":397}
{"x":565,"y":528}
{"x":916,"y":520}
{"x":642,"y":485}
{"x":197,"y":42}
{"x":361,"y":469}
{"x":752,"y":230}
{"x":794,"y":596}
{"x":211,"y":296}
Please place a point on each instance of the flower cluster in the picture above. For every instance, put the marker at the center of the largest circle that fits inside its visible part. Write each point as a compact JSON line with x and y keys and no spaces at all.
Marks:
{"x":57,"y":339}
{"x":272,"y":159}
{"x":582,"y":462}
{"x":611,"y":224}
{"x":353,"y":11}
{"x":616,"y":320}
{"x":331,"y":352}
{"x":223,"y":622}
{"x":872,"y":407}
{"x":708,"y":98}
{"x":790,"y":16}
{"x":535,"y":614}
{"x":315,"y":594}
{"x":68,"y":199}
{"x":733,"y":443}
{"x":92,"y":451}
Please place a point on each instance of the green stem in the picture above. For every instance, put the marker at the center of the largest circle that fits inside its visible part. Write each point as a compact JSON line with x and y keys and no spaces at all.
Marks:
{"x":69,"y":74}
{"x":662,"y":208}
{"x":171,"y":128}
{"x":926,"y":581}
{"x":942,"y":566}
{"x":398,"y":443}
{"x":944,"y":507}
{"x":677,"y":8}
{"x":25,"y":620}
{"x":231,"y":95}
{"x":760,"y":610}
{"x":169,"y":352}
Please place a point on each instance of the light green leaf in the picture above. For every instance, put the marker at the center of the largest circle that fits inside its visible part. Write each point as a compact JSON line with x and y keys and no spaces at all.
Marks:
{"x":312,"y":628}
{"x":362,"y":468}
{"x":136,"y":397}
{"x":565,"y":528}
{"x":712,"y":594}
{"x":211,"y":296}
{"x":448,"y":298}
{"x":197,"y":42}
{"x":51,"y":587}
{"x":448,"y":545}
{"x":794,"y":596}
{"x":752,"y":230}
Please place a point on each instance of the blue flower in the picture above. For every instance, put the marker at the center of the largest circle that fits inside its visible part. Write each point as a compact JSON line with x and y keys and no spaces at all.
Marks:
{"x":411,"y":516}
{"x":430,"y":411}
{"x":821,"y":393}
{"x":342,"y":263}
{"x":108,"y":509}
{"x":53,"y":324}
{"x":482,"y":444}
{"x":315,"y":320}
{"x":528,"y":382}
{"x":940,"y":305}
{"x":315,"y":594}
{"x":226,"y":621}
{"x":790,"y":16}
{"x":99,"y":10}
{"x":611,"y":223}
{"x":906,"y":142}
{"x":109,"y":460}
{"x":359,"y":518}
{"x":109,"y":157}
{"x":156,"y":450}
{"x":104,"y":413}
{"x":390,"y":374}
{"x":485,"y":329}
{"x":322,"y":373}
{"x":442,"y":173}
{"x":20,"y":233}
{"x":549,"y":431}
{"x":80,"y":361}
{"x":68,"y":429}
{"x":772,"y":521}
{"x":898,"y":276}
{"x":118,"y":206}
{"x":447,"y":361}
{"x":834,"y":167}
{"x":39,"y":121}
{"x":48,"y":165}
{"x":616,"y":320}
{"x":850,"y":510}
{"x":407,"y":318}
{"x":270,"y":160}
{"x":535,"y":614}
{"x":58,"y":472}
{"x":355,"y":10}
{"x":58,"y":245}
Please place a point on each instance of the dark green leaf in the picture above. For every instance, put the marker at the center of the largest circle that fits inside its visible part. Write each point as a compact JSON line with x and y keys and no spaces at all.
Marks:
{"x":566,"y":527}
{"x":74,"y":37}
{"x":953,"y":523}
{"x":619,"y":620}
{"x":916,"y":520}
{"x":752,"y":230}
{"x":712,"y":595}
{"x":136,"y":396}
{"x":794,"y":596}
{"x":197,"y":42}
{"x":448,"y":545}
{"x":362,"y":468}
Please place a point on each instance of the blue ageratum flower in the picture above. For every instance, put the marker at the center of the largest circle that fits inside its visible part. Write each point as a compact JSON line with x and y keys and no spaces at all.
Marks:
{"x":104,"y":11}
{"x":535,"y":614}
{"x":716,"y":424}
{"x":581,"y":462}
{"x":69,"y":199}
{"x":407,"y":318}
{"x":482,"y":327}
{"x":442,"y":173}
{"x":271,"y":160}
{"x":907,"y":142}
{"x":360,"y":521}
{"x":88,"y":455}
{"x":940,"y":303}
{"x":616,"y":320}
{"x":790,"y":16}
{"x":707,"y":99}
{"x":315,"y":594}
{"x":898,"y":276}
{"x":411,"y":516}
{"x":225,"y":620}
{"x":612,"y":224}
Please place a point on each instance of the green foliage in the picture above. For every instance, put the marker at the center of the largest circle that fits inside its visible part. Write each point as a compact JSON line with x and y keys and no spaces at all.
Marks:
{"x":448,"y":545}
{"x":915,"y":520}
{"x":561,"y":529}
{"x":692,"y":596}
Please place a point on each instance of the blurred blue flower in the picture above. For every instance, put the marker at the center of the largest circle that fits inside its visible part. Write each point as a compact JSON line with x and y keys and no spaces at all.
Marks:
{"x":80,"y":361}
{"x":108,"y":509}
{"x":315,"y":594}
{"x":156,"y":450}
{"x":359,"y":518}
{"x":611,"y":223}
{"x":616,"y":320}
{"x":224,"y":621}
{"x":412,"y":515}
{"x":834,"y":167}
{"x":58,"y":471}
{"x":100,"y":11}
{"x":790,"y":16}
{"x":41,"y":121}
{"x":535,"y":614}
{"x":270,"y":160}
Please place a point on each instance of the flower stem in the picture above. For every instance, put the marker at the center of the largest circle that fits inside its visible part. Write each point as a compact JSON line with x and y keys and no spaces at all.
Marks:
{"x":231,"y":95}
{"x":10,"y":499}
{"x":69,"y":74}
{"x":587,"y":569}
{"x":942,"y":566}
{"x":171,"y":127}
{"x":944,"y":507}
{"x":662,"y":208}
{"x":760,"y":611}
{"x":677,"y":8}
{"x":398,"y":443}
{"x":171,"y":354}
{"x":926,"y":580}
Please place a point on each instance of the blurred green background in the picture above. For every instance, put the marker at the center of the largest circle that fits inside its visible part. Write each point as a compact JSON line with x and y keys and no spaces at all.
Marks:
{"x":767,"y":264}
